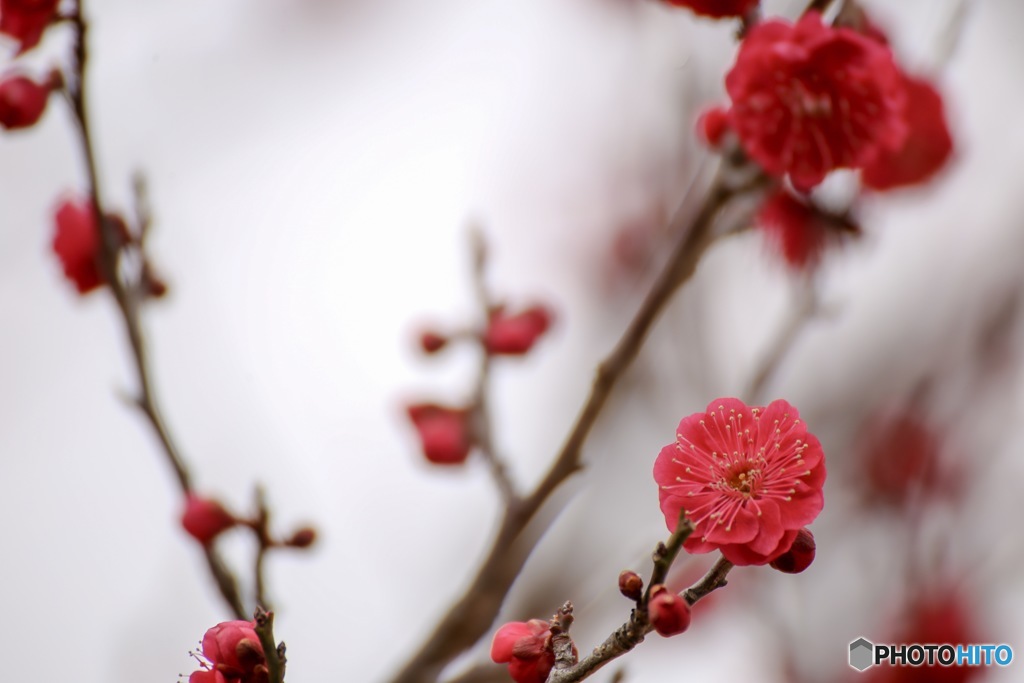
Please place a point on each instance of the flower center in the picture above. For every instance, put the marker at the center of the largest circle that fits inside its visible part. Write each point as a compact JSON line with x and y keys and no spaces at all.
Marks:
{"x":742,"y":480}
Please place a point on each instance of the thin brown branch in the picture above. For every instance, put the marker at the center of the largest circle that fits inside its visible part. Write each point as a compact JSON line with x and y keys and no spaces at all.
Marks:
{"x":633,"y":632}
{"x":818,"y":6}
{"x":482,"y":431}
{"x":473,"y":613}
{"x":128,"y":297}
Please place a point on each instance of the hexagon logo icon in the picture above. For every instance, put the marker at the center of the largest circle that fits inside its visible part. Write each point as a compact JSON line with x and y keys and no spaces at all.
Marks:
{"x":861,"y":654}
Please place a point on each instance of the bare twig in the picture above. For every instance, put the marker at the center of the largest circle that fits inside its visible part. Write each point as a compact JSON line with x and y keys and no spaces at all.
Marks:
{"x":128,"y":297}
{"x":482,"y":432}
{"x":633,"y":632}
{"x":474,"y":612}
{"x":804,"y":311}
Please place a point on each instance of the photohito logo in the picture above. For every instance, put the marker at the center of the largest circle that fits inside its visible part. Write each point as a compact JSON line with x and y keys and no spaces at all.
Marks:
{"x":865,"y":654}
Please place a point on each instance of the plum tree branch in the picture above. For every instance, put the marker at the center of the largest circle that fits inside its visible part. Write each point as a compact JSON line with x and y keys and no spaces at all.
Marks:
{"x":468,"y":619}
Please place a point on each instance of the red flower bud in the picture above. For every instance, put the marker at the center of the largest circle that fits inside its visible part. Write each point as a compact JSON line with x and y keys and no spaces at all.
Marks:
{"x":799,"y":556}
{"x":444,"y":432}
{"x":25,"y":20}
{"x":77,"y":243}
{"x":303,"y":538}
{"x":235,"y":651}
{"x":22,"y":101}
{"x":712,"y":125}
{"x":630,"y":584}
{"x":515,"y":335}
{"x":432,"y":342}
{"x":669,"y":613}
{"x":526,"y":648}
{"x":205,"y":519}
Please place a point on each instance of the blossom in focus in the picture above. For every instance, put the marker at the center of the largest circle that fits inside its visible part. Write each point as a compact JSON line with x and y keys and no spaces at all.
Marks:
{"x":515,"y":334}
{"x":25,"y":20}
{"x":445,"y":432}
{"x":205,"y":519}
{"x":22,"y":101}
{"x":749,"y":479}
{"x":793,"y":227}
{"x":925,"y":150}
{"x":526,"y":648}
{"x":808,"y":98}
{"x":717,"y":8}
{"x":235,"y":653}
{"x":77,"y":243}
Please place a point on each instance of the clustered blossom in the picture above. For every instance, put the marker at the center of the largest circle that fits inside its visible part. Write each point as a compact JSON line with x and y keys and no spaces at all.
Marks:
{"x":808,"y":98}
{"x":445,"y":432}
{"x":717,"y":8}
{"x":749,"y":479}
{"x":233,"y":653}
{"x":526,"y":648}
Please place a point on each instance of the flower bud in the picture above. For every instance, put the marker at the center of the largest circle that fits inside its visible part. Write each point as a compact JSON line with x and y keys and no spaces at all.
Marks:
{"x":515,"y":335}
{"x":669,"y":613}
{"x":432,"y":342}
{"x":444,"y":432}
{"x":799,"y":556}
{"x":303,"y":538}
{"x":712,"y":125}
{"x":205,"y":519}
{"x":22,"y":101}
{"x":630,"y":584}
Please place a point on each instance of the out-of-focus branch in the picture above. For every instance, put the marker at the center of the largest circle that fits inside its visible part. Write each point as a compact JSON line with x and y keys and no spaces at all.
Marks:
{"x":474,"y":612}
{"x":804,"y":311}
{"x":482,"y":432}
{"x":128,"y":296}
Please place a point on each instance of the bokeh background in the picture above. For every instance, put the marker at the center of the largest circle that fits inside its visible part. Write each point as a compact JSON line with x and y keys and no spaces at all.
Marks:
{"x":314,"y":167}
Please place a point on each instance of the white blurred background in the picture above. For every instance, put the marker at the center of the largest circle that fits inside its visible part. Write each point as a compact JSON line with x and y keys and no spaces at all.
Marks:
{"x":314,"y":166}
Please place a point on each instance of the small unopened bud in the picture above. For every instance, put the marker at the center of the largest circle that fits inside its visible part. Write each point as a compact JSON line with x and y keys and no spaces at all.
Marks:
{"x":669,"y":613}
{"x":205,"y":519}
{"x":799,"y":556}
{"x":630,"y":584}
{"x":303,"y":538}
{"x":153,"y":285}
{"x":432,"y":342}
